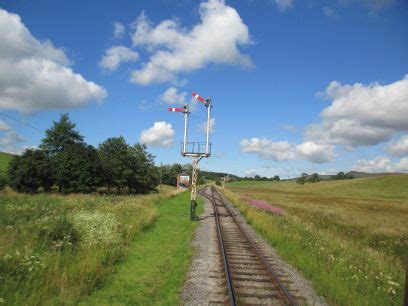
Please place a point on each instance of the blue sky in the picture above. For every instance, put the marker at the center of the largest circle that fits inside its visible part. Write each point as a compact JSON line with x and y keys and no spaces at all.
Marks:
{"x":315,"y":86}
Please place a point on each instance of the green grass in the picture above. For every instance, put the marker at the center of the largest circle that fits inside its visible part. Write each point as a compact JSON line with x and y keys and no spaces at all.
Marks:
{"x":154,"y":269}
{"x":54,"y":249}
{"x":4,"y":161}
{"x":349,"y":237}
{"x":250,"y":183}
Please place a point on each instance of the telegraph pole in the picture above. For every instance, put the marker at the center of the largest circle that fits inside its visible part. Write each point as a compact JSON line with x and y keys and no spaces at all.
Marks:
{"x":195,"y":150}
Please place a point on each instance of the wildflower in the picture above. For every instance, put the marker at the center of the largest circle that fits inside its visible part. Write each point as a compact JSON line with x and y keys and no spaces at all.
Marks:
{"x":263,"y":205}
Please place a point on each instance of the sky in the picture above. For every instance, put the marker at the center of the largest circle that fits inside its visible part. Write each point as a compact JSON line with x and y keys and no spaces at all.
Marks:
{"x":297,"y":86}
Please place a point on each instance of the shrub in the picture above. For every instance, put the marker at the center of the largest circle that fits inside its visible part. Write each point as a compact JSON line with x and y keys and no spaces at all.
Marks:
{"x":301,"y":180}
{"x":3,"y":181}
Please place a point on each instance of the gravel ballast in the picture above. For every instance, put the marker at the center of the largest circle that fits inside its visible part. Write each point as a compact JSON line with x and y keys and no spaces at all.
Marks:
{"x":205,"y":282}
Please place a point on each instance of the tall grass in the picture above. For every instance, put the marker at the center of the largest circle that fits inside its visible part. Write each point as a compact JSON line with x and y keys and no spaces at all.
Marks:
{"x":154,"y":270}
{"x":343,"y":270}
{"x":55,"y":249}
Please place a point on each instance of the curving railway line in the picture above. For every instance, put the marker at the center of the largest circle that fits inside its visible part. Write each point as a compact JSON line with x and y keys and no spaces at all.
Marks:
{"x":250,"y":279}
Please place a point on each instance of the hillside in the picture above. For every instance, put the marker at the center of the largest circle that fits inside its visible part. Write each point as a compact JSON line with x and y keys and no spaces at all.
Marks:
{"x":357,"y":174}
{"x":387,"y":187}
{"x":4,"y":161}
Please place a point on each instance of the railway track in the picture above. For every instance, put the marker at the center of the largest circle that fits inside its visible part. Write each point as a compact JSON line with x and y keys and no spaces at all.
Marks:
{"x":249,"y":277}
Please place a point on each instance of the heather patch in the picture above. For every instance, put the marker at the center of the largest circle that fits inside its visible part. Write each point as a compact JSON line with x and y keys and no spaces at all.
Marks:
{"x":263,"y":205}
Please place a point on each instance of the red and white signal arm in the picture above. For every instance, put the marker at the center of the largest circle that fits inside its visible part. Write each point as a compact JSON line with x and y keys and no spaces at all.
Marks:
{"x":198,"y":97}
{"x":176,"y":109}
{"x":201,"y":99}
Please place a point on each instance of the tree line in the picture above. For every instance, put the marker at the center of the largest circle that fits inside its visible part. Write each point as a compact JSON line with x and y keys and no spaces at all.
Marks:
{"x":66,"y":163}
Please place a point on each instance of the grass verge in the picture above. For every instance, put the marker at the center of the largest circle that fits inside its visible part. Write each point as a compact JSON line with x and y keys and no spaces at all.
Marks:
{"x":154,"y":269}
{"x":56,"y":249}
{"x":343,"y":270}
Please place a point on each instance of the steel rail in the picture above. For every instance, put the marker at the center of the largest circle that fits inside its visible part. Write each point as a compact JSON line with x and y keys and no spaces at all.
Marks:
{"x":268,"y":267}
{"x":231,"y":294}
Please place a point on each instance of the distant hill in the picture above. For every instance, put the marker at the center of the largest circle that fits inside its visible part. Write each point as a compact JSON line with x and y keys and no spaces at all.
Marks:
{"x":357,"y":174}
{"x":4,"y":161}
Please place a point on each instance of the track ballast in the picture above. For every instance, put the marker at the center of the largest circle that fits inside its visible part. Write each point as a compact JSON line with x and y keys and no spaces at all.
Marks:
{"x":250,"y":278}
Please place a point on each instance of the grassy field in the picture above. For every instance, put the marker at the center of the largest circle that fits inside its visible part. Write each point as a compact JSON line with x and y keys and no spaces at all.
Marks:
{"x":55,"y":250}
{"x":153,"y":271}
{"x":349,"y":237}
{"x":4,"y":161}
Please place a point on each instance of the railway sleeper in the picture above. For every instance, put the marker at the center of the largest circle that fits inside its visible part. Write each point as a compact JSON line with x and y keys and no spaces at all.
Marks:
{"x":265,"y":279}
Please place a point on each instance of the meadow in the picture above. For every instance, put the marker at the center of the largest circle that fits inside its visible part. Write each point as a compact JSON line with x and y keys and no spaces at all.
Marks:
{"x":349,"y":237}
{"x":4,"y":161}
{"x":56,"y":250}
{"x":154,"y":270}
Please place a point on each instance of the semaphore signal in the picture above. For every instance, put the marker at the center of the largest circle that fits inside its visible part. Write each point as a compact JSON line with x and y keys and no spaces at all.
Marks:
{"x":195,"y":150}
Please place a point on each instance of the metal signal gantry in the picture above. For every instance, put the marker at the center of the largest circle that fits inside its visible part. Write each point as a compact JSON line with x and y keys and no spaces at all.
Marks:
{"x":195,"y":150}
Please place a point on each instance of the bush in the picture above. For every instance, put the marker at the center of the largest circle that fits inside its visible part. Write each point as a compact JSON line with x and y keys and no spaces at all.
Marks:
{"x":314,"y":178}
{"x":301,"y":180}
{"x":30,"y":171}
{"x":3,"y":181}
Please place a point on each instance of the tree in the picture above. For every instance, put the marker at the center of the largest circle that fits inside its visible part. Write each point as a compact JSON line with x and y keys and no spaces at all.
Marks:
{"x":314,"y":178}
{"x":339,"y":176}
{"x":77,"y":168}
{"x":276,"y":178}
{"x":170,"y":172}
{"x":342,"y":176}
{"x":141,"y":174}
{"x":3,"y":181}
{"x":113,"y":154}
{"x":61,"y":135}
{"x":301,"y":180}
{"x":30,"y":171}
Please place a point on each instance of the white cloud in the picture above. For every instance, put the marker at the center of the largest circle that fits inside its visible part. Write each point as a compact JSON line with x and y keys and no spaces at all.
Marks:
{"x":172,"y":96}
{"x":362,"y":115}
{"x":161,"y":134}
{"x":283,"y":150}
{"x":176,"y":49}
{"x":399,"y":148}
{"x":251,"y":173}
{"x":316,"y":153}
{"x":381,"y":164}
{"x":143,"y":105}
{"x":328,"y":12}
{"x":283,"y":5}
{"x":118,"y":30}
{"x":35,"y":75}
{"x":9,"y":140}
{"x":265,"y":148}
{"x":116,"y":55}
{"x":203,"y":126}
{"x":290,"y":127}
{"x":4,"y":127}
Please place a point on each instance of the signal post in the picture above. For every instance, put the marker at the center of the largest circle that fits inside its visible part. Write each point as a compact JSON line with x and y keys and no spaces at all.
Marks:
{"x":195,"y":150}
